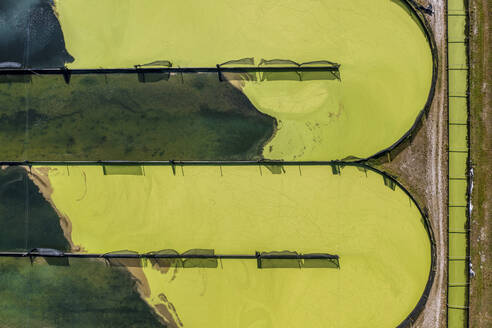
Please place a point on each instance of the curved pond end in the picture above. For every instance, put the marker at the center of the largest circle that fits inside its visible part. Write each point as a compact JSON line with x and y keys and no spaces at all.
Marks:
{"x":367,"y":219}
{"x":382,"y":46}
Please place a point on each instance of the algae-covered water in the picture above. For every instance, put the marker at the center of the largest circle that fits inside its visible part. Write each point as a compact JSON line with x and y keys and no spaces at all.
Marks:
{"x":386,"y":63}
{"x":377,"y":232}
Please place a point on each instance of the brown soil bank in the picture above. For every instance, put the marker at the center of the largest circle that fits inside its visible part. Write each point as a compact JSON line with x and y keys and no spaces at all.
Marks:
{"x":421,"y":167}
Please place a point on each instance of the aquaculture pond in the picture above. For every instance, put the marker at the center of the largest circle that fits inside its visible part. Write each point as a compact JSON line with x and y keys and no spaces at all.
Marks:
{"x":385,"y":58}
{"x":353,"y":212}
{"x":379,"y":88}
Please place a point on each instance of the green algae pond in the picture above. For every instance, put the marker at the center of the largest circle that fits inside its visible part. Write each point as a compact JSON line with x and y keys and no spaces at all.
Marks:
{"x":351,"y":211}
{"x":373,"y":225}
{"x":385,"y":58}
{"x":355,"y":212}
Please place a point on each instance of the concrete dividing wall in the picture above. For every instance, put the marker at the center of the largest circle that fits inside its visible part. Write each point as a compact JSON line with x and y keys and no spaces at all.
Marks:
{"x":458,"y":220}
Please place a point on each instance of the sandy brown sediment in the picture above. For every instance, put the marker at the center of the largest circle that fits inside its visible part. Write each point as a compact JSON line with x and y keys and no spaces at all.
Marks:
{"x":164,"y":312}
{"x":165,"y":309}
{"x":169,"y":311}
{"x":40,"y":177}
{"x":240,"y":84}
{"x":142,"y":283}
{"x":236,"y":83}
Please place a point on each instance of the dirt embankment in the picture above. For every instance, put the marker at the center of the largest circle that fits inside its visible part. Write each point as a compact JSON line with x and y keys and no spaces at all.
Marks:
{"x":422,"y":169}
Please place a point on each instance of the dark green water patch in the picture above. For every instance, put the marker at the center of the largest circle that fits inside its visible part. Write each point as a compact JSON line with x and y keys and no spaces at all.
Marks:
{"x":27,"y":220}
{"x":87,"y":293}
{"x":30,"y":35}
{"x":115,"y":117}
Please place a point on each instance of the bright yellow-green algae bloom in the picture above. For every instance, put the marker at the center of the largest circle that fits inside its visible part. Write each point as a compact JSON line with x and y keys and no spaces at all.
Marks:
{"x":378,"y":233}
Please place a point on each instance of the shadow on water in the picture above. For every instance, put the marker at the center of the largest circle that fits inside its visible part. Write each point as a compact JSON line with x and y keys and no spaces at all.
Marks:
{"x":30,"y":34}
{"x":87,"y":293}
